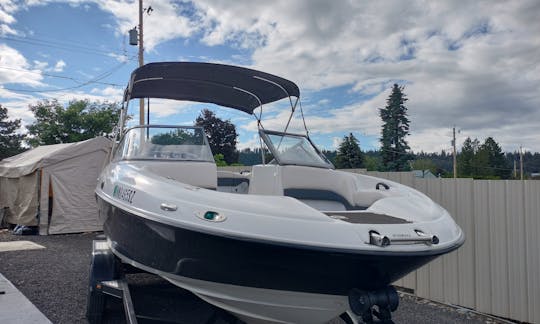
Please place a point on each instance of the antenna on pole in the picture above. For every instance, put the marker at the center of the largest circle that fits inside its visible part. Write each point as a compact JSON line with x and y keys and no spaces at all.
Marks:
{"x":136,"y":38}
{"x":141,"y":59}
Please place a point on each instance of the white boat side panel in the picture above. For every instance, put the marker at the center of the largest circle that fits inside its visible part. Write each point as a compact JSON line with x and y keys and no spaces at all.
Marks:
{"x":266,"y":180}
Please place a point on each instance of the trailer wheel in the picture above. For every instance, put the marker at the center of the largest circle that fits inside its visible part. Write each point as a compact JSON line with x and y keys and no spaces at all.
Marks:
{"x":104,"y":267}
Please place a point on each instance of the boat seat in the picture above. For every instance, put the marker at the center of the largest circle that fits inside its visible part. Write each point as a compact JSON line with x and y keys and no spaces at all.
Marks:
{"x":314,"y":185}
{"x":323,"y":189}
{"x":233,"y":182}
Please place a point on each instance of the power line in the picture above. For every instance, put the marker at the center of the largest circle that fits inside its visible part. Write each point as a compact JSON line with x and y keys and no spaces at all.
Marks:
{"x":58,"y":76}
{"x":59,"y":45}
{"x":91,"y":81}
{"x":43,"y":37}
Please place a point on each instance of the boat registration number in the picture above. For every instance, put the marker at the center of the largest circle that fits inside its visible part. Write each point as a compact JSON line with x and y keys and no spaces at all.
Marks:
{"x":125,"y":194}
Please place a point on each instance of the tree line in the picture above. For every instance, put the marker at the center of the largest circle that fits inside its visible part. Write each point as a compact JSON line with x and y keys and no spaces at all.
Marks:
{"x":55,"y":123}
{"x":82,"y":119}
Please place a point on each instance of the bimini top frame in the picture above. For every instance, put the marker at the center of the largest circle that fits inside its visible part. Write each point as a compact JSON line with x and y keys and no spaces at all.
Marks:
{"x":225,"y":85}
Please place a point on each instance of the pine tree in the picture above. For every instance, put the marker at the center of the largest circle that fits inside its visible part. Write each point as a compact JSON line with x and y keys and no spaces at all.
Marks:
{"x":466,"y":158}
{"x":349,"y":155}
{"x":10,"y":141}
{"x":395,"y":128}
{"x":497,"y":164}
{"x":486,"y":161}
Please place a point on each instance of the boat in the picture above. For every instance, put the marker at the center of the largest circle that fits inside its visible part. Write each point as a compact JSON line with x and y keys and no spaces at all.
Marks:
{"x":292,"y":241}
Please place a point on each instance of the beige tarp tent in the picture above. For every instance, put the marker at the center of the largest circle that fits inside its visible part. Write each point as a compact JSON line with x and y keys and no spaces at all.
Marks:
{"x":52,"y":186}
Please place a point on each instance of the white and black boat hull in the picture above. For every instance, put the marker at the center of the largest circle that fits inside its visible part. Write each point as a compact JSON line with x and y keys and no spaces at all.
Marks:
{"x":271,"y":281}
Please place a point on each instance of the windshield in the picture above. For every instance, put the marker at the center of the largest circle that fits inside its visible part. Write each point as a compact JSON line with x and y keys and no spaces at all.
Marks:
{"x":164,"y":143}
{"x":294,"y":149}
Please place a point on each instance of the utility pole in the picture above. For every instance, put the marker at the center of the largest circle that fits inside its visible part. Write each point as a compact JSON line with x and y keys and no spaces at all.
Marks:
{"x":515,"y":169}
{"x":454,"y":150}
{"x":521,"y":161}
{"x":141,"y":59}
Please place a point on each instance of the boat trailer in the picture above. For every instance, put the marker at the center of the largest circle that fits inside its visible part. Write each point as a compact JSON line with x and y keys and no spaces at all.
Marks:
{"x":109,"y":292}
{"x":108,"y":285}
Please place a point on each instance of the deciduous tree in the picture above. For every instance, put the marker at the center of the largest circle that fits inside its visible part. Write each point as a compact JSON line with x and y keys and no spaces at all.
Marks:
{"x":79,"y":120}
{"x":221,"y":135}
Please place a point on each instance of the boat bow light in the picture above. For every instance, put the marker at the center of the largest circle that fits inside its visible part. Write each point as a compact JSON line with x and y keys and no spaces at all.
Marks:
{"x":211,"y":216}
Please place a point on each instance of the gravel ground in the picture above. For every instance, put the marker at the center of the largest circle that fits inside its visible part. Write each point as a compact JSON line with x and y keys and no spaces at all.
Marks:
{"x":55,"y":280}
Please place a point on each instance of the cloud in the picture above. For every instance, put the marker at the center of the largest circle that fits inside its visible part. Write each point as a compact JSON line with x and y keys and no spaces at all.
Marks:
{"x":164,"y":23}
{"x":59,"y":66}
{"x":253,"y":142}
{"x":6,"y":30}
{"x":44,"y":66}
{"x":7,"y":8}
{"x":111,"y":93}
{"x":38,"y":65}
{"x":15,"y":69}
{"x":120,"y":58}
{"x":474,"y":65}
{"x":336,"y":142}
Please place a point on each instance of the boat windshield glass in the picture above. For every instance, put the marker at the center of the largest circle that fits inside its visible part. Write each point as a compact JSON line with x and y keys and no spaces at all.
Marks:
{"x":294,"y":149}
{"x":165,"y":143}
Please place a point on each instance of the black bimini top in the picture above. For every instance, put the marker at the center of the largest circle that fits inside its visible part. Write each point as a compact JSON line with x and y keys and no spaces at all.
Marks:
{"x":224,"y":85}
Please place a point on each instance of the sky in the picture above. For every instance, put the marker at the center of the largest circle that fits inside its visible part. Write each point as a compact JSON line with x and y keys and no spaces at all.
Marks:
{"x":473,"y":65}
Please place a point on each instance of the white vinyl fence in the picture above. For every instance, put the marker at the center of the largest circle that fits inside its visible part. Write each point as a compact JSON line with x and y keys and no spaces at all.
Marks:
{"x":497,"y":270}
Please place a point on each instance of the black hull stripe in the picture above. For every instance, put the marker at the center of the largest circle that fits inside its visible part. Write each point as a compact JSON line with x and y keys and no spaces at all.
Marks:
{"x":250,"y":263}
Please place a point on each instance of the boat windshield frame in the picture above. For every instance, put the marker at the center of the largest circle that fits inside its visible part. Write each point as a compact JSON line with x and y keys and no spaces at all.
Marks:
{"x":318,"y":159}
{"x":194,"y":148}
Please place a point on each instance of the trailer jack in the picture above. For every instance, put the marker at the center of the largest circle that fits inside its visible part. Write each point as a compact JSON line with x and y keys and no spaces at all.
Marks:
{"x":363,"y":304}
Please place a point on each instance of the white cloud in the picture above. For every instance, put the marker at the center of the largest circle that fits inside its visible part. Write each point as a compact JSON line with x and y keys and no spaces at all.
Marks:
{"x":6,"y":30}
{"x":38,"y":65}
{"x":44,"y":66}
{"x":111,"y":93}
{"x":164,"y":108}
{"x":165,"y":23}
{"x":15,"y":69}
{"x":361,"y":117}
{"x":7,"y":7}
{"x":336,"y":142}
{"x":253,"y":142}
{"x":474,"y":65}
{"x":119,"y":57}
{"x":59,"y":66}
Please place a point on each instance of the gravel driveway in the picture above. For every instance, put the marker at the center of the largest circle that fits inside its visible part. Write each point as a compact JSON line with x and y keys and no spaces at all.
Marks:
{"x":55,"y":280}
